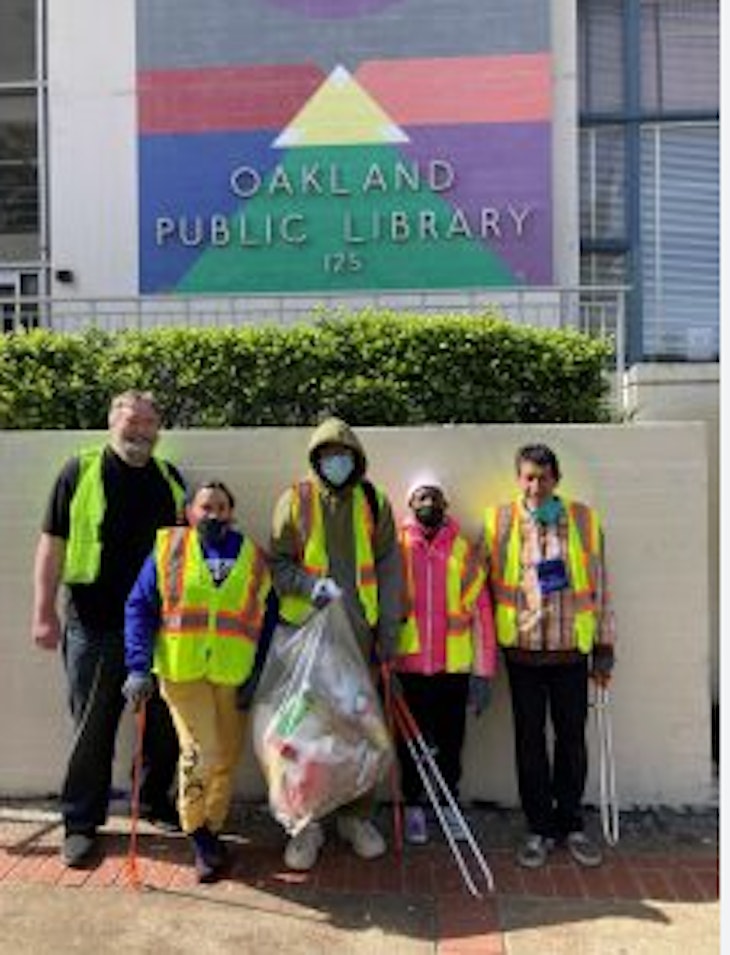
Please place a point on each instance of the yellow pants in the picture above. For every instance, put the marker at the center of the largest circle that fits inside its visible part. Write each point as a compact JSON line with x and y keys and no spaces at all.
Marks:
{"x":210,"y":730}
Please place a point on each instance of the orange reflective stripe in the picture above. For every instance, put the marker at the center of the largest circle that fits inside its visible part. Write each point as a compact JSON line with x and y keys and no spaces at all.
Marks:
{"x":503,"y":593}
{"x":457,"y":621}
{"x":506,"y":515}
{"x":367,"y":574}
{"x":234,"y":625}
{"x":471,"y":571}
{"x":173,"y":557}
{"x":584,"y":601}
{"x":252,"y":606}
{"x":305,"y":510}
{"x":187,"y":620}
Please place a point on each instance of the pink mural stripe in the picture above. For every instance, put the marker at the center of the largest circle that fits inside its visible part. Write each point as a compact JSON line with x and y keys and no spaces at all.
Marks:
{"x":495,"y":89}
{"x":224,"y":98}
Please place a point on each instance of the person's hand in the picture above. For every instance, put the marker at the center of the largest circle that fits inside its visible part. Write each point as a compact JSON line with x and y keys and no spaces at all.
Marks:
{"x":138,"y":688}
{"x":47,"y":631}
{"x":246,"y":692}
{"x":601,"y":667}
{"x":325,"y":590}
{"x":480,"y":694}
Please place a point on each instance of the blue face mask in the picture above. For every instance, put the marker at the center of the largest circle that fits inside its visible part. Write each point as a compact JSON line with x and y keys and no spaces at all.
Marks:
{"x":337,"y":468}
{"x":549,"y":511}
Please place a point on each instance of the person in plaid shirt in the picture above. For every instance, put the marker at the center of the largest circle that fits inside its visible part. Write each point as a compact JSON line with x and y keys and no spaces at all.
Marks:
{"x":555,"y":626}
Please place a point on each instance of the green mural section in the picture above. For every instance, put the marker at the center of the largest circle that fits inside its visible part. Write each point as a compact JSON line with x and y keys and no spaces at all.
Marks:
{"x":345,"y":216}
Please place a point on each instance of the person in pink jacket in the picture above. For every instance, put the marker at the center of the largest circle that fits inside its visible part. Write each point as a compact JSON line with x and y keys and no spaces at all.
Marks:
{"x":446,"y":651}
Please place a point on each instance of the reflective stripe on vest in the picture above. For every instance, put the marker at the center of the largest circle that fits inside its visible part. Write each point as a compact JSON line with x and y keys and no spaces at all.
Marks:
{"x":86,"y":515}
{"x":207,"y":631}
{"x":502,"y":537}
{"x":307,"y":519}
{"x":463,"y":580}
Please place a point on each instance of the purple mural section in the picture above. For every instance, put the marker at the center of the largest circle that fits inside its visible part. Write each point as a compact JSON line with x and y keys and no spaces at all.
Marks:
{"x":501,"y":177}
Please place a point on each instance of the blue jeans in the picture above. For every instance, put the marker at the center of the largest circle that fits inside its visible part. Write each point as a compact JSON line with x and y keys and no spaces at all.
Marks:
{"x":95,"y":671}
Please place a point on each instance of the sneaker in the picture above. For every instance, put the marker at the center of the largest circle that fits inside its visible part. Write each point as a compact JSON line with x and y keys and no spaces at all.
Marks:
{"x":534,"y":851}
{"x":77,"y":848}
{"x":302,"y":850}
{"x":453,"y":824}
{"x":584,"y":850}
{"x":208,"y":859}
{"x":366,"y":841}
{"x":416,"y":831}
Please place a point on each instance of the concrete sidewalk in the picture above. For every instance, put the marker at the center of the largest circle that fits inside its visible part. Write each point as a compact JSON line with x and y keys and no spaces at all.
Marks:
{"x":657,"y":893}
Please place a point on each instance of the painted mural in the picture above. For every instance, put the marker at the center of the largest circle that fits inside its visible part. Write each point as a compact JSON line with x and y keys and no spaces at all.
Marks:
{"x":398,"y":153}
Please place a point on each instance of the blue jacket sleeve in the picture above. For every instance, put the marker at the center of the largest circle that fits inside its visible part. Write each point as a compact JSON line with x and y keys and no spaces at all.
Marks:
{"x":142,"y":619}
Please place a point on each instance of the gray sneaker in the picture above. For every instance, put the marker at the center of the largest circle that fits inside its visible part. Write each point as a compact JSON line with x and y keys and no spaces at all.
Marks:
{"x":77,"y":849}
{"x":534,"y":851}
{"x":584,"y":850}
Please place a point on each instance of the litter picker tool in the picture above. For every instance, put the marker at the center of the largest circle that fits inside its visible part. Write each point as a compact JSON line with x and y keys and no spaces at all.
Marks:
{"x":606,"y":765}
{"x":132,"y":857}
{"x":437,"y":790}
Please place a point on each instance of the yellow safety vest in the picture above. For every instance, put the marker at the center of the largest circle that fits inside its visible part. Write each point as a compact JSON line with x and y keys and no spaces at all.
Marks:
{"x":86,"y":514}
{"x":307,"y":519}
{"x":207,"y":631}
{"x":502,"y":536}
{"x":464,"y":579}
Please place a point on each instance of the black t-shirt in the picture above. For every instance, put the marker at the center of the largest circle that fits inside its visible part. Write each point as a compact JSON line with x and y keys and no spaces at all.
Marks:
{"x":138,"y":502}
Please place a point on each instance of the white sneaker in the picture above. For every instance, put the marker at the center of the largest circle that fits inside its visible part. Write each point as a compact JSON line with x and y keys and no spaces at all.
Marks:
{"x":302,"y":850}
{"x":366,"y":841}
{"x":453,"y":824}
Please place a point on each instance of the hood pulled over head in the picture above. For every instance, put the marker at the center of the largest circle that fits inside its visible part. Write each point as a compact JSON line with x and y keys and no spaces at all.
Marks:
{"x":334,"y":432}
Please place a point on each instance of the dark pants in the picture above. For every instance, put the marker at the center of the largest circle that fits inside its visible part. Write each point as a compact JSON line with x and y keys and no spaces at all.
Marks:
{"x":94,"y":662}
{"x":438,"y":705}
{"x":551,"y":791}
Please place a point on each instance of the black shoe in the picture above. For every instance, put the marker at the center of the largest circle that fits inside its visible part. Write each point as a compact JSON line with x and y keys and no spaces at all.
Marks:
{"x":210,"y":855}
{"x":162,"y":815}
{"x":78,"y":848}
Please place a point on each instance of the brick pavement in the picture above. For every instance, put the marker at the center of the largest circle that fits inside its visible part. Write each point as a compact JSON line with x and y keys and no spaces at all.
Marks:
{"x":640,"y":870}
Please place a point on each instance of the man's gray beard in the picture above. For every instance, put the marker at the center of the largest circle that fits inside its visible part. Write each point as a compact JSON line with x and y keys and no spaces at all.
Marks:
{"x":135,"y":453}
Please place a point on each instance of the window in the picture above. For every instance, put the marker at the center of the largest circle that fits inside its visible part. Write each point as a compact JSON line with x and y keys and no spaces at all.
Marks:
{"x":680,"y":55}
{"x":602,"y":175}
{"x":18,"y":165}
{"x":17,"y":41}
{"x":680,"y":199}
{"x":649,"y":167}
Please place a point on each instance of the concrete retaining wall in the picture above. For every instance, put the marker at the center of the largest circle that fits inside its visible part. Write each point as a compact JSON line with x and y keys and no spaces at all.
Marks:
{"x":650,"y":482}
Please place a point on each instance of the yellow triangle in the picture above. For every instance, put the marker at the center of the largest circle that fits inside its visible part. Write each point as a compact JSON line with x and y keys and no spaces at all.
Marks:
{"x":340,"y":113}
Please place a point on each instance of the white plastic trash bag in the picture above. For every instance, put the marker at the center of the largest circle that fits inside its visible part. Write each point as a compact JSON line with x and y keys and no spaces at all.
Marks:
{"x":318,"y":727}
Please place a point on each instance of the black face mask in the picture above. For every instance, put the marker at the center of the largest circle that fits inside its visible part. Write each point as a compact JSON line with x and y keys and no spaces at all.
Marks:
{"x":430,"y":515}
{"x":211,"y":530}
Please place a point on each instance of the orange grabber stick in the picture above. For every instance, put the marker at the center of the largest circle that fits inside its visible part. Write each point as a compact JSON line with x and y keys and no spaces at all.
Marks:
{"x":394,"y":787}
{"x":132,"y":858}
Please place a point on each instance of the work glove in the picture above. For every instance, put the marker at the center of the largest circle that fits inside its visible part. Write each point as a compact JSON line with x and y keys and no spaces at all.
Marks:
{"x":325,"y":590}
{"x":601,"y":671}
{"x":602,"y":665}
{"x":138,"y":688}
{"x":480,"y":694}
{"x":246,"y":692}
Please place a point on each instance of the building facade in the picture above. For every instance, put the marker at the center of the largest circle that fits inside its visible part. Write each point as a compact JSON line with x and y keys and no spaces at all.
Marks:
{"x":284,"y":146}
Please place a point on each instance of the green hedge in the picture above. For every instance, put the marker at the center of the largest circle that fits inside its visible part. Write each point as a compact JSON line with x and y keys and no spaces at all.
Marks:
{"x":373,"y":367}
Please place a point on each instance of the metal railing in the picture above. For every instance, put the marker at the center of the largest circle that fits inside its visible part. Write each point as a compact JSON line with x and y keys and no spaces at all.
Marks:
{"x":599,"y":311}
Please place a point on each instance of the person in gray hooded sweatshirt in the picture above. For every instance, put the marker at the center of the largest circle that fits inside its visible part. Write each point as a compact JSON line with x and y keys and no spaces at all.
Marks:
{"x":337,"y":506}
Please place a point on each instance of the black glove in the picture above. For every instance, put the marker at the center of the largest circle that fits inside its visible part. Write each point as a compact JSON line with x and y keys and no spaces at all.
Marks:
{"x":602,"y":664}
{"x":480,"y":693}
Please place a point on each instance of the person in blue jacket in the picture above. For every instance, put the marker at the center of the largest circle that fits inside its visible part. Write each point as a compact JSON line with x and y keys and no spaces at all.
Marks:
{"x":194,"y":617}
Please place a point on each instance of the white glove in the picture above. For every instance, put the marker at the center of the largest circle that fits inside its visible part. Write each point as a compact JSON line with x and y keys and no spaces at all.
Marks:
{"x":324,"y":590}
